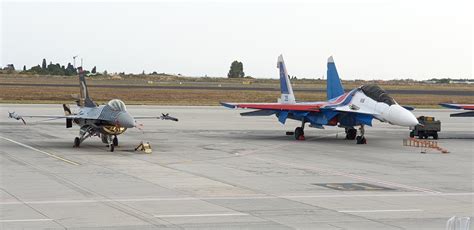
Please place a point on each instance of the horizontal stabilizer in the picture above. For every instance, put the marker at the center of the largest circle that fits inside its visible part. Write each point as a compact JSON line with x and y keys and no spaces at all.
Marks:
{"x":228,"y":105}
{"x":466,"y":114}
{"x":258,"y":113}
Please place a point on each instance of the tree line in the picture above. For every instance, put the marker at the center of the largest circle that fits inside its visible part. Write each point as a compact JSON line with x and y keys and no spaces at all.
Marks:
{"x":55,"y":69}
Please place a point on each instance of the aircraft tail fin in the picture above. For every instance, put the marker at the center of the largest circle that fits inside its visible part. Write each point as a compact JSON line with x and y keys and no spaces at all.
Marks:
{"x":334,"y":86}
{"x":85,"y":100}
{"x":287,"y":95}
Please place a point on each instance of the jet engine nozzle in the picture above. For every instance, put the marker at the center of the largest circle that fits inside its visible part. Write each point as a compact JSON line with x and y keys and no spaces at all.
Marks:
{"x":398,"y":115}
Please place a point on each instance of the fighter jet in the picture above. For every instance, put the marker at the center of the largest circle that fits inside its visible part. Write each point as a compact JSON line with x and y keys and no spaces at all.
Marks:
{"x":104,"y":121}
{"x":348,"y":110}
{"x":460,"y":106}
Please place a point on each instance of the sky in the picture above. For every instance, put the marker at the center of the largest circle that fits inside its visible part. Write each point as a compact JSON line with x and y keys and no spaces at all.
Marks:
{"x":369,"y":39}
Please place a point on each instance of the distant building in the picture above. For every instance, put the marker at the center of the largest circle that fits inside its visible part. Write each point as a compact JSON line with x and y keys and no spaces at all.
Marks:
{"x":9,"y":67}
{"x":466,"y":81}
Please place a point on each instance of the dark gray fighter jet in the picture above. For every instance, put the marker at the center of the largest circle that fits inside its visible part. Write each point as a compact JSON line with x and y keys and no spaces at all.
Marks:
{"x":104,"y":121}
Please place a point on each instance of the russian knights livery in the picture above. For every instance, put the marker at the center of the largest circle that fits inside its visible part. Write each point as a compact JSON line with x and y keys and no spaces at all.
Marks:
{"x":347,"y":110}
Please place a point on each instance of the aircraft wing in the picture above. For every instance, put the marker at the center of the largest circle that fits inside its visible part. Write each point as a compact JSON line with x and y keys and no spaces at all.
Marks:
{"x":16,"y":116}
{"x":52,"y":116}
{"x":275,"y":106}
{"x":162,"y":117}
{"x":458,"y":106}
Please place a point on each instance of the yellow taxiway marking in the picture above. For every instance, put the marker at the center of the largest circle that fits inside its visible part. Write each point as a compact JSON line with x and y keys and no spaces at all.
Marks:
{"x":41,"y":151}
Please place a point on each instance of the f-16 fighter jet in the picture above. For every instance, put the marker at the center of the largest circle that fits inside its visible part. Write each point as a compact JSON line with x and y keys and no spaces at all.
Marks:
{"x":356,"y":108}
{"x":460,"y":106}
{"x":104,"y":121}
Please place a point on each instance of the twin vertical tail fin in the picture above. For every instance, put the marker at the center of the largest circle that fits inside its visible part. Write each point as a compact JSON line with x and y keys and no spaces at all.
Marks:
{"x":287,"y":96}
{"x":334,"y":86}
{"x":84,"y":99}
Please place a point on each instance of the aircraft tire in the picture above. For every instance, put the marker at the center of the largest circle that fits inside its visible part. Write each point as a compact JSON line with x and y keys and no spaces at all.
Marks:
{"x":351,"y":134}
{"x":77,"y":142}
{"x":298,"y":133}
{"x":360,"y":140}
{"x":111,"y":148}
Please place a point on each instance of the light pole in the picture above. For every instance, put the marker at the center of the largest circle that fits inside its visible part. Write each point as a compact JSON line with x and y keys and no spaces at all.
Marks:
{"x":74,"y":61}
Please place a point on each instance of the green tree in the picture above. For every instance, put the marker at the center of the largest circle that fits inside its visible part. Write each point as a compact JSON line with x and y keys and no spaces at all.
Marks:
{"x":94,"y":70}
{"x":70,"y":70}
{"x":24,"y":67}
{"x":43,"y":65}
{"x":236,"y":70}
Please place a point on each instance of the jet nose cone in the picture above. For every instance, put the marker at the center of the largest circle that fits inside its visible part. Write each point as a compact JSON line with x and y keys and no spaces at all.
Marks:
{"x":398,"y":115}
{"x":124,"y":119}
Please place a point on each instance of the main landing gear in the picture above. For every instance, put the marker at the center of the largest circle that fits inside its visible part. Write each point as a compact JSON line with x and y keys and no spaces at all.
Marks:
{"x":299,"y":132}
{"x":361,"y":139}
{"x":351,"y":133}
{"x":84,"y":133}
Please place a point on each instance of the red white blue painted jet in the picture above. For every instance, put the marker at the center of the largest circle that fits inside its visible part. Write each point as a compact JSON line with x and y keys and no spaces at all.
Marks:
{"x":460,"y":106}
{"x":347,"y":110}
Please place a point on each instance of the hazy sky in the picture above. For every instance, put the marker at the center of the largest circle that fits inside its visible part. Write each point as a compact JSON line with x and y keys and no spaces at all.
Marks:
{"x":369,"y":39}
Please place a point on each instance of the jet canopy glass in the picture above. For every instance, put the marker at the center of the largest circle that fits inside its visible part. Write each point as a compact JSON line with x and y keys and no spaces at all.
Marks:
{"x":117,"y":105}
{"x":377,"y":94}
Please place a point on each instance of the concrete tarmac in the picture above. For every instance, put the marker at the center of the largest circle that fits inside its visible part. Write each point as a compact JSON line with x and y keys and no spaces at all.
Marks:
{"x":217,"y":170}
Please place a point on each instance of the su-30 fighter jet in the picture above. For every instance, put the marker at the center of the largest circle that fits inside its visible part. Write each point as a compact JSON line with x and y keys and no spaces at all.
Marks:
{"x":104,"y":121}
{"x":355,"y":108}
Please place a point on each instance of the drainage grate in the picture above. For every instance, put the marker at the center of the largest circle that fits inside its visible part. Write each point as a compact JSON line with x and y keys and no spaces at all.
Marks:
{"x":354,"y":187}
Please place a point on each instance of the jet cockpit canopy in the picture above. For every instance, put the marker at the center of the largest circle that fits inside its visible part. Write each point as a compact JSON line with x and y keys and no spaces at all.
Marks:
{"x":117,"y":105}
{"x":377,"y":94}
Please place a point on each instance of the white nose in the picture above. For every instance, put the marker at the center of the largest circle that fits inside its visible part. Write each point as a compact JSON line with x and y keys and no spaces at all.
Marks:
{"x":398,"y":115}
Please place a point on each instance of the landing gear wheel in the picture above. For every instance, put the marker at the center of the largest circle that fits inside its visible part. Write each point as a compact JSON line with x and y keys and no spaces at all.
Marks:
{"x":412,"y":134}
{"x":361,"y":140}
{"x":77,"y":142}
{"x":351,"y":134}
{"x":115,"y":141}
{"x":111,"y":147}
{"x":299,"y":133}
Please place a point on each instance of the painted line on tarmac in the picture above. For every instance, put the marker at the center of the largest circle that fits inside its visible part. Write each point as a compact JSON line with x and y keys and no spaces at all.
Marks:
{"x":262,"y":197}
{"x":382,"y":210}
{"x":41,"y":151}
{"x":25,"y":220}
{"x":202,"y":215}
